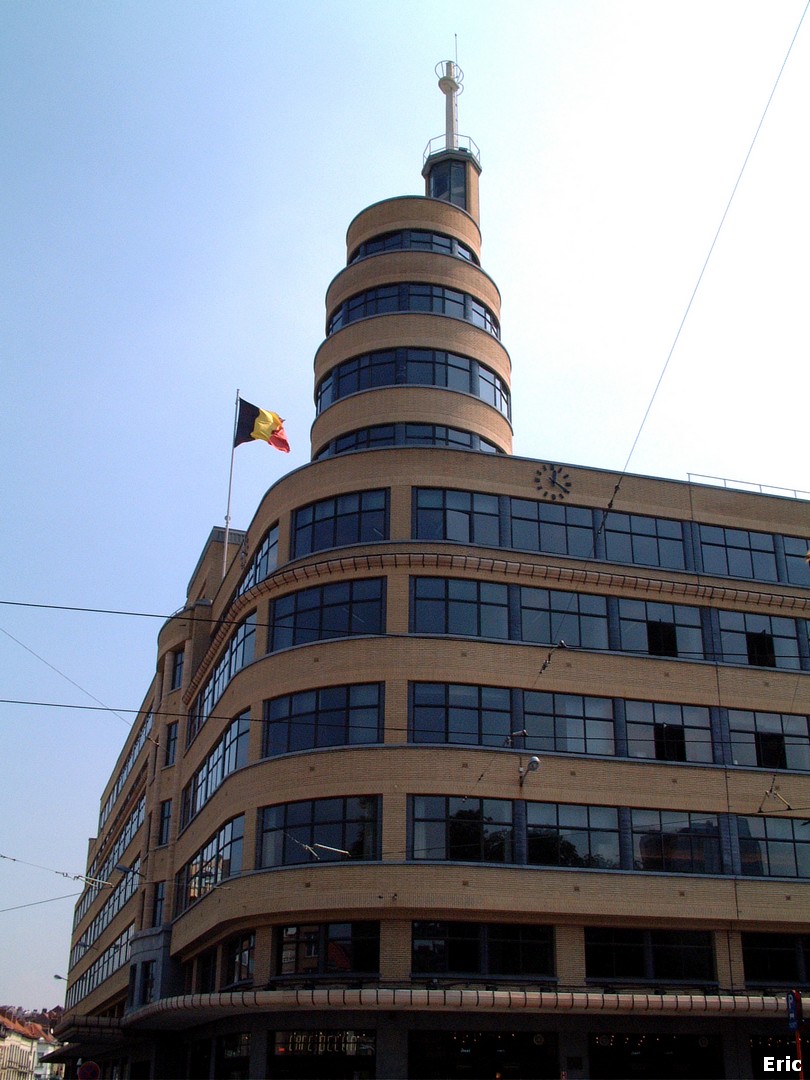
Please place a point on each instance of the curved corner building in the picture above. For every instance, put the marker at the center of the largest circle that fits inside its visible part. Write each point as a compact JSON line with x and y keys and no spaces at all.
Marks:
{"x":456,"y":773}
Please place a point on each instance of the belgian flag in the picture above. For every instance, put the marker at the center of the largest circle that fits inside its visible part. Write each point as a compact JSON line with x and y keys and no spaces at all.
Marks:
{"x":255,"y":423}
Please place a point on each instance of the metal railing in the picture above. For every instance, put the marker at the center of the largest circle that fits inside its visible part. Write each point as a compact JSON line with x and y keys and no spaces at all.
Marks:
{"x":746,"y":485}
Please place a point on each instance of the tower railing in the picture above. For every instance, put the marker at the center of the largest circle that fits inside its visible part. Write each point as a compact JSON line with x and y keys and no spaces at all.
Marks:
{"x":438,"y":145}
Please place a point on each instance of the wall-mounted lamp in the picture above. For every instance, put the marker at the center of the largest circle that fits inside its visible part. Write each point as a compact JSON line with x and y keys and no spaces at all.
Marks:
{"x":119,"y":866}
{"x":532,"y":766}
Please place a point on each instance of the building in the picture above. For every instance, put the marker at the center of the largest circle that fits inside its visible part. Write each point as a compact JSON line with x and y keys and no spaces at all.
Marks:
{"x":23,"y":1046}
{"x":472,"y":765}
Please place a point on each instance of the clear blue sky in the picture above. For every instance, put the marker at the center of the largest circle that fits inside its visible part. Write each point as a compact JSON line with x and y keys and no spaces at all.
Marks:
{"x":178,"y":179}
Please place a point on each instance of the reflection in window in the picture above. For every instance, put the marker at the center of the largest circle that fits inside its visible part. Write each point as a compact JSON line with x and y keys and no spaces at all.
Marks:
{"x":774,"y":847}
{"x":238,"y":958}
{"x":570,"y":835}
{"x":461,"y":829}
{"x":321,"y":949}
{"x":676,"y":842}
{"x":218,"y":860}
{"x":229,"y":753}
{"x":319,"y":830}
{"x":331,"y":716}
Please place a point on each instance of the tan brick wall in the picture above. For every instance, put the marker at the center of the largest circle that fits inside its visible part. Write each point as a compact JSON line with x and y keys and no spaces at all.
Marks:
{"x":425,"y":267}
{"x":407,"y":404}
{"x":413,"y":212}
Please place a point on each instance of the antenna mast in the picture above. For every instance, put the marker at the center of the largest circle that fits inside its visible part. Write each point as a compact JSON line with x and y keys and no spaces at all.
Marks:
{"x":451,"y":78}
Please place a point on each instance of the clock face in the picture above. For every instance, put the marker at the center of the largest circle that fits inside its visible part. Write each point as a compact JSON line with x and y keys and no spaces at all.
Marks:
{"x":554,"y":482}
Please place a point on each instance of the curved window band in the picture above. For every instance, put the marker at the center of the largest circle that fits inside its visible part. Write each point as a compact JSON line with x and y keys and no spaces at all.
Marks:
{"x":413,"y":367}
{"x":382,"y":435}
{"x":414,"y":296}
{"x":414,"y":240}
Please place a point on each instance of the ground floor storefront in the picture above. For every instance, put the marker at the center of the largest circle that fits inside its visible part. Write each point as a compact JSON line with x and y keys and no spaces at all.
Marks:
{"x":441,"y":1045}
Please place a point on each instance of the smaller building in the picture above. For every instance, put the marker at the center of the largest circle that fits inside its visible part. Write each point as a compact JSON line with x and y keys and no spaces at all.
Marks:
{"x":23,"y":1046}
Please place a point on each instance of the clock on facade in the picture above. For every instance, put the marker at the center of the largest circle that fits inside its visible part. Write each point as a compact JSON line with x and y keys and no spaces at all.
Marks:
{"x":554,"y":482}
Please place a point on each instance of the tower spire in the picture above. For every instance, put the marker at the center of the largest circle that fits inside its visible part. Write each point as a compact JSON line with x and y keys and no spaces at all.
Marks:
{"x":451,"y":79}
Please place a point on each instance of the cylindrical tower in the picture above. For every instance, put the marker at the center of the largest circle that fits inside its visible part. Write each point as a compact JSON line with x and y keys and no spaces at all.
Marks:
{"x":412,"y":354}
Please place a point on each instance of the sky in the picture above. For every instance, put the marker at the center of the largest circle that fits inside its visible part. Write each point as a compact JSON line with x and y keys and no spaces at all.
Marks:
{"x":178,"y":179}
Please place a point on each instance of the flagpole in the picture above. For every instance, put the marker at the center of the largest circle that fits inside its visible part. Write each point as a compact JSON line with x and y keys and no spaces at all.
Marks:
{"x":230,"y":488}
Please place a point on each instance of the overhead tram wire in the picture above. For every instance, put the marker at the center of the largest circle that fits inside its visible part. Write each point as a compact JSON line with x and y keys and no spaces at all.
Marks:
{"x":687,"y":310}
{"x":708,"y":257}
{"x":73,"y":682}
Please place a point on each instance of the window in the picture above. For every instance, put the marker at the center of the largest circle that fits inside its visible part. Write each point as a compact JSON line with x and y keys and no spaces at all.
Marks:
{"x":164,"y":822}
{"x":569,"y":835}
{"x":382,"y":435}
{"x":170,"y":753}
{"x":798,"y":568}
{"x":158,"y":903}
{"x":147,"y":983}
{"x":548,"y":617}
{"x":460,"y":606}
{"x":491,"y":716}
{"x":774,"y":847}
{"x":126,"y":769}
{"x":207,"y":972}
{"x":660,"y":629}
{"x":358,"y":518}
{"x":628,"y":955}
{"x":646,"y":541}
{"x":342,"y":609}
{"x":331,"y":716}
{"x":485,"y":949}
{"x":769,"y":740}
{"x":463,"y":516}
{"x":238,"y":652}
{"x":759,"y":640}
{"x":414,"y":296}
{"x":460,"y":829}
{"x":415,"y":240}
{"x":320,"y":949}
{"x":557,"y":530}
{"x":455,"y":713}
{"x":676,"y":842}
{"x":229,"y":754}
{"x":218,"y":860}
{"x":567,"y":723}
{"x":408,"y":366}
{"x":264,"y":562}
{"x":237,"y":960}
{"x":448,"y":182}
{"x":667,"y":732}
{"x":320,"y":830}
{"x":776,"y":959}
{"x":738,"y":553}
{"x":177,"y":659}
{"x":483,"y":609}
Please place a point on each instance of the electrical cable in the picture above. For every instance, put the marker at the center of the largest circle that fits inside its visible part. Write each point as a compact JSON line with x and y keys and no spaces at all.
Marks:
{"x":64,"y":676}
{"x":36,"y":903}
